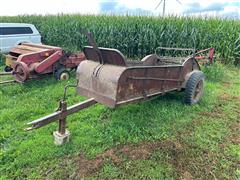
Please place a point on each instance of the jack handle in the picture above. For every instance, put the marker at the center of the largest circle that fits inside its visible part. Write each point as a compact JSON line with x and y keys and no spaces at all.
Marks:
{"x":65,"y":91}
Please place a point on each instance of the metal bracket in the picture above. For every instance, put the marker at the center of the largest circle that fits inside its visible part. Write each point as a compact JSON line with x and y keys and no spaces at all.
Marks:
{"x":65,"y":90}
{"x":92,"y":42}
{"x":63,"y":117}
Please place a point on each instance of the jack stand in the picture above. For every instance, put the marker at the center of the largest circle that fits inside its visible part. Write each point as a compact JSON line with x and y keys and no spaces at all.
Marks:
{"x":60,"y":139}
{"x":62,"y":135}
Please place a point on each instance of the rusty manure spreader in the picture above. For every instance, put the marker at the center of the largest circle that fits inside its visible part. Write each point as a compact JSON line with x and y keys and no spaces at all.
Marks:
{"x":106,"y":77}
{"x":29,"y":60}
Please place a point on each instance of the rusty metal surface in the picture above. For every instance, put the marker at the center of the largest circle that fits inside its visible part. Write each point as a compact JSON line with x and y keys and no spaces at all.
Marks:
{"x":73,"y":60}
{"x":63,"y":117}
{"x":115,"y":83}
{"x":175,"y":49}
{"x":92,"y":42}
{"x":146,"y":81}
{"x":200,"y":55}
{"x":60,"y":114}
{"x":110,"y":56}
{"x":112,"y":80}
{"x":99,"y":81}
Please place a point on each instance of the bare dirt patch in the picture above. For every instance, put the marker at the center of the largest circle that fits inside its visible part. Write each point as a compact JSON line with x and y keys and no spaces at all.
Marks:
{"x":237,"y":98}
{"x":186,"y":176}
{"x":227,"y":97}
{"x":215,"y":113}
{"x":234,"y":137}
{"x":145,"y":149}
{"x":90,"y":166}
{"x":227,"y":84}
{"x":131,"y":151}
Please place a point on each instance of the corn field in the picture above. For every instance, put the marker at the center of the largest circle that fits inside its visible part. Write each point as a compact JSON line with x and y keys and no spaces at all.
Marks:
{"x":137,"y":36}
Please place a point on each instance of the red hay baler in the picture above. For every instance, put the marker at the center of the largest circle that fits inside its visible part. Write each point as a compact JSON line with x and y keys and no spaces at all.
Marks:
{"x":26,"y":60}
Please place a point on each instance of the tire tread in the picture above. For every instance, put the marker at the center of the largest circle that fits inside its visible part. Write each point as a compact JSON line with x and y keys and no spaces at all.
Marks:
{"x":191,"y":85}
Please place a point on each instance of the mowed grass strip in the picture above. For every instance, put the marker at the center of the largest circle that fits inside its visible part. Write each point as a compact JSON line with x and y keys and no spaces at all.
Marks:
{"x":194,"y":141}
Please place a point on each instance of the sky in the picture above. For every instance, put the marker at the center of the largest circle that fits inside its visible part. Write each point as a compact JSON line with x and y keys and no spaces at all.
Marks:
{"x":224,"y":8}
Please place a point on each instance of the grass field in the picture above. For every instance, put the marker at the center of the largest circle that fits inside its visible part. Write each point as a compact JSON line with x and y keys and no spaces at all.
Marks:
{"x":163,"y":138}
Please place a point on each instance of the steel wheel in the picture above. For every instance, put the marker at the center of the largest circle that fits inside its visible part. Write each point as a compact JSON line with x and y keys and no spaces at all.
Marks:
{"x":20,"y":71}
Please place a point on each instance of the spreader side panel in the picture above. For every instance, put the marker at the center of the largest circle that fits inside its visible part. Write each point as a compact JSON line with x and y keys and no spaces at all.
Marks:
{"x":99,"y":81}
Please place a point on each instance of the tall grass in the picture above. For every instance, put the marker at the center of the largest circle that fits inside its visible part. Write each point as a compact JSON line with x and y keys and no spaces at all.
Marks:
{"x":137,"y":36}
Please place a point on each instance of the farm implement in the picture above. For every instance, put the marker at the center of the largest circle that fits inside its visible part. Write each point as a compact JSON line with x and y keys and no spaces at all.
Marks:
{"x":106,"y":77}
{"x":30,"y":60}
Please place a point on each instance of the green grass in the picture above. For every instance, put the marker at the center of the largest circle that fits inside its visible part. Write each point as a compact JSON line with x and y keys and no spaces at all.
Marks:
{"x":204,"y":133}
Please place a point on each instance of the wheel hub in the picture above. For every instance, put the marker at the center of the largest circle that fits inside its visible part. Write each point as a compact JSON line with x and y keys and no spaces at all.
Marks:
{"x":64,"y":76}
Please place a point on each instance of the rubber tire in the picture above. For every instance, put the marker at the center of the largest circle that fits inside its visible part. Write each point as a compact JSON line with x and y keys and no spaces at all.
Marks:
{"x":8,"y":69}
{"x":191,"y":85}
{"x":59,"y":72}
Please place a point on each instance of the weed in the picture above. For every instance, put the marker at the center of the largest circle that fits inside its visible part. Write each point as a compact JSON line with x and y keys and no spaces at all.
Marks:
{"x":215,"y":72}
